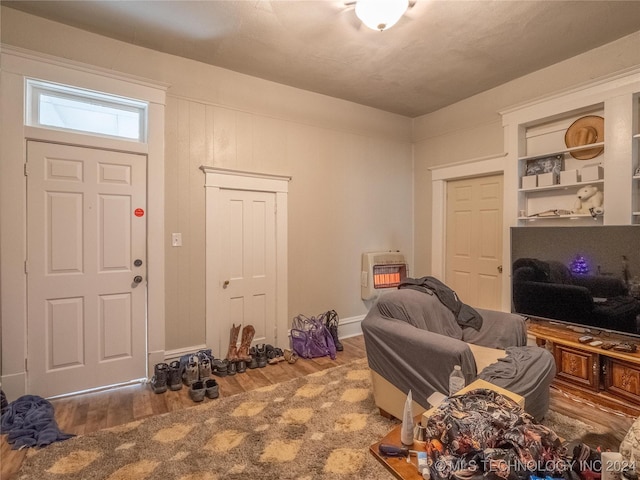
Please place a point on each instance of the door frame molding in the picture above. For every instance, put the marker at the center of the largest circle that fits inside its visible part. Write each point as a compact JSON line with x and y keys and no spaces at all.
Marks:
{"x":217,"y":179}
{"x":17,"y":65}
{"x":440,"y":175}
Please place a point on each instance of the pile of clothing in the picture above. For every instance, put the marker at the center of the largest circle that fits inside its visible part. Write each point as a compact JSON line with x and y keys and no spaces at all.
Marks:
{"x":483,"y":434}
{"x":29,"y":422}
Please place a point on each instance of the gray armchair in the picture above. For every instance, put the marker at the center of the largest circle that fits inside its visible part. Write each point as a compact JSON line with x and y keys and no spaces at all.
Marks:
{"x":413,"y":341}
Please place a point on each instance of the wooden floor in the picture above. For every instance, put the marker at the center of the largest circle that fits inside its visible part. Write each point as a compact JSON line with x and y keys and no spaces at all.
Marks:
{"x":90,"y":412}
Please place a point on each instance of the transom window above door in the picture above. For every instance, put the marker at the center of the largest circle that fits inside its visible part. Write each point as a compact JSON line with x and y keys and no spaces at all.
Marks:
{"x":61,"y":107}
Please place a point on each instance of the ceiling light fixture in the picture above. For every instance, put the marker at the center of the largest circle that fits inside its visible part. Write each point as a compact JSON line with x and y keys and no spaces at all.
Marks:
{"x":380,"y":14}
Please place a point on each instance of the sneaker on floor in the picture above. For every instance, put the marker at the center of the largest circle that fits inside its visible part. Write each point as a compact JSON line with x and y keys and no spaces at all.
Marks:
{"x":231,"y":368}
{"x":159,"y":379}
{"x":254,"y":361}
{"x":211,"y":388}
{"x":290,"y":356}
{"x":174,"y":381}
{"x":191,"y":373}
{"x":204,"y":368}
{"x":205,"y":353}
{"x":241,"y":366}
{"x":261,"y":355}
{"x":220,"y":367}
{"x":197,"y":391}
{"x":332,"y":322}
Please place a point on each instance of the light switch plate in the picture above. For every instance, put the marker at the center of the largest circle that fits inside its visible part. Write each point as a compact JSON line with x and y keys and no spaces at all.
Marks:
{"x":176,"y":239}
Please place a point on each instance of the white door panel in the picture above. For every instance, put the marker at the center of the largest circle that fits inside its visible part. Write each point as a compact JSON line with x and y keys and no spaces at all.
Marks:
{"x":474,"y":240}
{"x":248,"y":264}
{"x":86,"y":315}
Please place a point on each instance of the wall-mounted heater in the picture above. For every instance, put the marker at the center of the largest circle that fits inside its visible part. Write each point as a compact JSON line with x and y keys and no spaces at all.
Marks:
{"x":381,"y":271}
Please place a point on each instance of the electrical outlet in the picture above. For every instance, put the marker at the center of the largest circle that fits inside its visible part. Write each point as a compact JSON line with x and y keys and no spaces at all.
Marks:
{"x":176,"y":239}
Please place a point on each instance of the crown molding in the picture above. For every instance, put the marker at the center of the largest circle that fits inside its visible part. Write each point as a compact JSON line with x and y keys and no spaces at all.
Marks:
{"x":78,"y":66}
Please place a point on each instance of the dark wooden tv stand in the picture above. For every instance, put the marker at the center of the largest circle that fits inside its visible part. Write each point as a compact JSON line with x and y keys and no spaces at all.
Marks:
{"x":605,"y":377}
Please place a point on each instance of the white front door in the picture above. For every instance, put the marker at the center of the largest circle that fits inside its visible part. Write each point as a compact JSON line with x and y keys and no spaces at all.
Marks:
{"x":247,"y":260}
{"x":86,"y":268}
{"x":474,"y":240}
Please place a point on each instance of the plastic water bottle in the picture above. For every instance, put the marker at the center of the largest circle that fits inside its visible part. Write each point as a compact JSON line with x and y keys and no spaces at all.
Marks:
{"x":456,"y":380}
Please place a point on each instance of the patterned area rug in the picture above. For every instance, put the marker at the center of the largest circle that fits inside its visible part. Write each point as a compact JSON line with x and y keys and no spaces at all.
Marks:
{"x":315,"y":427}
{"x":311,"y":428}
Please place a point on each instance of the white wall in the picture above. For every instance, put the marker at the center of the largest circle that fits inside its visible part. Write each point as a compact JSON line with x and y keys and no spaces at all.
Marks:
{"x":351,"y":169}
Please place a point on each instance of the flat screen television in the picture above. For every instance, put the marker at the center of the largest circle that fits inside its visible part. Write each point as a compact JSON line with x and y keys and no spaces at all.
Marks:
{"x":587,"y":276}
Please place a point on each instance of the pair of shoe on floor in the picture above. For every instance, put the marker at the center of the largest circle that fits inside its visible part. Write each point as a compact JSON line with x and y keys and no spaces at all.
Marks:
{"x":277,"y":355}
{"x":166,"y":376}
{"x":200,"y":366}
{"x":239,"y":358}
{"x":262,"y":354}
{"x":188,"y":370}
{"x":199,"y":389}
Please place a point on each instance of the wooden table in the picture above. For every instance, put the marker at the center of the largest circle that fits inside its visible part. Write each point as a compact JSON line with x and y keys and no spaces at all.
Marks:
{"x":398,"y":466}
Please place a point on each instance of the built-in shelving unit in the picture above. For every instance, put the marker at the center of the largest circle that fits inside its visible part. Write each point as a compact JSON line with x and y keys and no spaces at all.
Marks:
{"x":536,"y":131}
{"x":540,"y":140}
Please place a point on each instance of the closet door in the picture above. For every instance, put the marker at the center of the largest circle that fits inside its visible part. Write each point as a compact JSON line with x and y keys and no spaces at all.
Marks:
{"x":247,"y":262}
{"x":473,"y":246}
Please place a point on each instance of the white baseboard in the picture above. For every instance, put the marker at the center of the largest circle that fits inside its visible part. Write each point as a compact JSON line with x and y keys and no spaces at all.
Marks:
{"x":350,"y":327}
{"x":170,"y":355}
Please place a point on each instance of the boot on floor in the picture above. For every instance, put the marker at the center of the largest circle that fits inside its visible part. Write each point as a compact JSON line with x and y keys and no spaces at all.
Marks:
{"x":232,"y":354}
{"x":332,"y":325}
{"x":247,"y":336}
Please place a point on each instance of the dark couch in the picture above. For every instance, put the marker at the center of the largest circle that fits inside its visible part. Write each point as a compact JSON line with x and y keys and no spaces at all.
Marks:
{"x":548,"y":289}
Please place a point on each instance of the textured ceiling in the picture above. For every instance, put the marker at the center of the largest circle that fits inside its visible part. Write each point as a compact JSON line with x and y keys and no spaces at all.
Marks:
{"x":440,"y":52}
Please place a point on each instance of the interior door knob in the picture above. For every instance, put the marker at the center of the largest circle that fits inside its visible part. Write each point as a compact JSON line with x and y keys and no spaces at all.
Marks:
{"x":499,"y":268}
{"x":137,"y":279}
{"x":225,"y":284}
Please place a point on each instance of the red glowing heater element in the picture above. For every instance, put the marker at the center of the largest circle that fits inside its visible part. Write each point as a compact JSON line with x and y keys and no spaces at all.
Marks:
{"x":380,"y":271}
{"x":386,"y":277}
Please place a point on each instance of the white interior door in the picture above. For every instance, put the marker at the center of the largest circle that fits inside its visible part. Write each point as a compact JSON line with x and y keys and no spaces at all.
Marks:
{"x":473,"y":243}
{"x":247,"y":260}
{"x":86,"y":268}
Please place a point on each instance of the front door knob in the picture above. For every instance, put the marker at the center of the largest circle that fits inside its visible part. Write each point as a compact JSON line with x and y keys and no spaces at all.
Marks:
{"x":137,"y":279}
